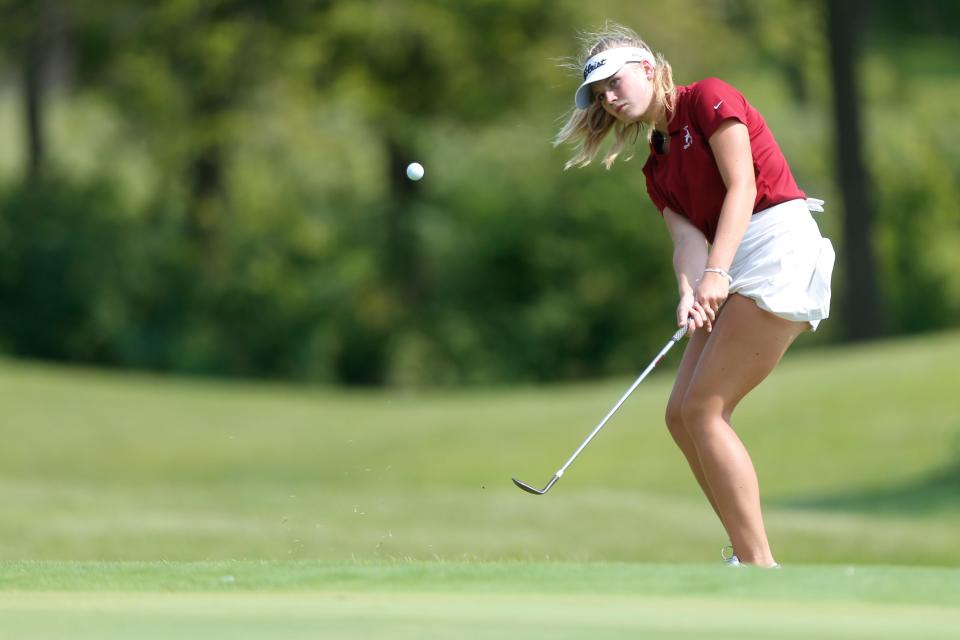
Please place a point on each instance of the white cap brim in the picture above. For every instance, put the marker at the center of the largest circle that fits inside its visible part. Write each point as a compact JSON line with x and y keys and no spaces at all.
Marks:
{"x":605,"y":64}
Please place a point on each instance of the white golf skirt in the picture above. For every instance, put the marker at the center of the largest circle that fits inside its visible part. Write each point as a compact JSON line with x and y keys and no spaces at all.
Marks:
{"x":784,"y":264}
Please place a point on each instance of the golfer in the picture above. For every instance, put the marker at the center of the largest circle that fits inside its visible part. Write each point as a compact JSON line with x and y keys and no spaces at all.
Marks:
{"x":752,"y":269}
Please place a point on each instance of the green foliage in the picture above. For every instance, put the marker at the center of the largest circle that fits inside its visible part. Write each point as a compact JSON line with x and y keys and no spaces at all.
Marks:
{"x":61,"y":249}
{"x":550,"y":283}
{"x":229,"y":194}
{"x":916,"y":164}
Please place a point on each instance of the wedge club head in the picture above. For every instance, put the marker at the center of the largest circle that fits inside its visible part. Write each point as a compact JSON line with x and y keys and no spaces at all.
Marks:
{"x":534,"y":490}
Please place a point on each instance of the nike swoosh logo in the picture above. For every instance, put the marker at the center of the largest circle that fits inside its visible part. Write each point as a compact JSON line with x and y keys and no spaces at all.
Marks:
{"x":717,"y":106}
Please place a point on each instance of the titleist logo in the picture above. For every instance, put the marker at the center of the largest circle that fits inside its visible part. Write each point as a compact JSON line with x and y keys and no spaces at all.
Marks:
{"x":593,"y":66}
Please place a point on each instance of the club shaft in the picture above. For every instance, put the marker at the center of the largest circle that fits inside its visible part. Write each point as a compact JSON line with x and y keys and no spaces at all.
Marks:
{"x":663,"y":352}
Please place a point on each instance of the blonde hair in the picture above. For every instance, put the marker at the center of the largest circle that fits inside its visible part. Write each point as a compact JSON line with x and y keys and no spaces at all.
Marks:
{"x":588,"y":127}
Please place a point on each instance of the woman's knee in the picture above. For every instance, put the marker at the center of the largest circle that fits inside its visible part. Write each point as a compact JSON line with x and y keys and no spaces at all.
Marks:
{"x":697,"y":410}
{"x":674,"y":420}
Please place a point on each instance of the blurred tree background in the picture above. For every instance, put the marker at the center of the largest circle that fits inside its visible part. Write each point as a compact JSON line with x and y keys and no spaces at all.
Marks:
{"x":217,"y":186}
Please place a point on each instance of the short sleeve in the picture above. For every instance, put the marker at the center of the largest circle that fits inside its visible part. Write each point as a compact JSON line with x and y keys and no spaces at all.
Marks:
{"x":715,"y":101}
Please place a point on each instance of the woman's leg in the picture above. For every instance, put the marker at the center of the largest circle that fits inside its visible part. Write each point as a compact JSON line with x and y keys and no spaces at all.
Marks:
{"x":744,"y":347}
{"x":674,"y":418}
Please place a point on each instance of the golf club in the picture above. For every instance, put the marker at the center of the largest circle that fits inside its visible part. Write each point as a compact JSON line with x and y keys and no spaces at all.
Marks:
{"x":663,"y":352}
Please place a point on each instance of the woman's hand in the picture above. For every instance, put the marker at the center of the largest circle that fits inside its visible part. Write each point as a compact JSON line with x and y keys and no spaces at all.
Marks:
{"x":692,"y":314}
{"x":711,"y":292}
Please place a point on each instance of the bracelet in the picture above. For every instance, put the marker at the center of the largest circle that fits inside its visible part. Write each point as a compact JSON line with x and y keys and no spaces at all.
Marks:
{"x":721,"y":272}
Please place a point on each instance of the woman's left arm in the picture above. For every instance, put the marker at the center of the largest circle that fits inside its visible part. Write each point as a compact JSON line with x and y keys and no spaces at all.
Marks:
{"x":731,"y":149}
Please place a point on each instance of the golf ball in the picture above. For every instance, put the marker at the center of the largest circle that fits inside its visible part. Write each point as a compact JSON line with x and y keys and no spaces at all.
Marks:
{"x":414,"y":170}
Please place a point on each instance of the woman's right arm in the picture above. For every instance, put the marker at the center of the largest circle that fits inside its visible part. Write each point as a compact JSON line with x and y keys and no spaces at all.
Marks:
{"x":689,"y":260}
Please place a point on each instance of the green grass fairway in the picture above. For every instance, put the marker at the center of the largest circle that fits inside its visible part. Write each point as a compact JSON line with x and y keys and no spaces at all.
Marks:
{"x":473,"y":600}
{"x":857,"y":448}
{"x":148,"y":507}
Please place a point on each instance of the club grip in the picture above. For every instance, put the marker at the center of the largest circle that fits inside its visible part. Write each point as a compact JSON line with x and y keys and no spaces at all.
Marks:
{"x":679,"y":334}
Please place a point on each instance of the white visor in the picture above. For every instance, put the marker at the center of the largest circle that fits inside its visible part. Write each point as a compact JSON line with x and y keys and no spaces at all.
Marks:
{"x":605,"y":64}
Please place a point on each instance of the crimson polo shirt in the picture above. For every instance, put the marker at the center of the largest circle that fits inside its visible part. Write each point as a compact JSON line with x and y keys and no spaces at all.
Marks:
{"x":687,"y":178}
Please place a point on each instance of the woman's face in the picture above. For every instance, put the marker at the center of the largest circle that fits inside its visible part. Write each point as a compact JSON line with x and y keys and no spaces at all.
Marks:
{"x":627,"y":95}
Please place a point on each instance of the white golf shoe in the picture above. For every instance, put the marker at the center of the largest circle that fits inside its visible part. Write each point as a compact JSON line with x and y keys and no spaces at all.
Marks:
{"x":731,"y":560}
